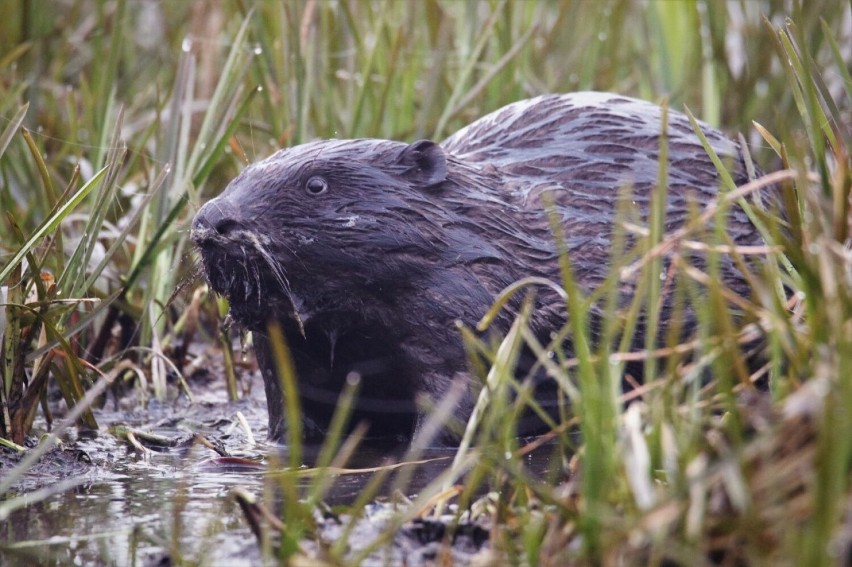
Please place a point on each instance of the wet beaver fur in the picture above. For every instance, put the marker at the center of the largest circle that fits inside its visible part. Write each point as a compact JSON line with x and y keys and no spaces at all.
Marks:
{"x":367,"y":252}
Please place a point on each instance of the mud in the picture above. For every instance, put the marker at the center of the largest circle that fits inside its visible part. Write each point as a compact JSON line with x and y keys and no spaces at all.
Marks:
{"x":98,"y":499}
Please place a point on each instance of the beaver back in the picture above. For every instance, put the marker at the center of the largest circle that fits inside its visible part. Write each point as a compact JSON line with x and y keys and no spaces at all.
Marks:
{"x":582,"y":149}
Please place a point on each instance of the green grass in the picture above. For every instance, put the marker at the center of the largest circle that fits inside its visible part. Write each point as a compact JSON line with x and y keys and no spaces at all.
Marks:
{"x":116,"y":127}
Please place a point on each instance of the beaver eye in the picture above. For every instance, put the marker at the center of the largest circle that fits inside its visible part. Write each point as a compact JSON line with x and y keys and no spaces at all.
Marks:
{"x":316,"y":185}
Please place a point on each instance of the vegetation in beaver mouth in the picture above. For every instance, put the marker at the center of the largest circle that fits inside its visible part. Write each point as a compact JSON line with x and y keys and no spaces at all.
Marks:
{"x":119,"y":118}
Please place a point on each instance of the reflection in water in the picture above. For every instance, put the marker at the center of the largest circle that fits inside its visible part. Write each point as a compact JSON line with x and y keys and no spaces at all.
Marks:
{"x":163,"y":504}
{"x":136,"y":509}
{"x":166,"y":504}
{"x":140,"y":509}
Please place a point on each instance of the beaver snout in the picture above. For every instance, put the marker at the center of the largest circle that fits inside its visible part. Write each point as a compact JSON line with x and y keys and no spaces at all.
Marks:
{"x":218,"y":218}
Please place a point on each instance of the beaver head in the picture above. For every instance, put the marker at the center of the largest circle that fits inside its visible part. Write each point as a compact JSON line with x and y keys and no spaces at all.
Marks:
{"x":319,"y":225}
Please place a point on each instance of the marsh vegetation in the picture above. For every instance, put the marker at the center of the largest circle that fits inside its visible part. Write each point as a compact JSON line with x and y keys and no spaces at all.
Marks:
{"x":118,"y":119}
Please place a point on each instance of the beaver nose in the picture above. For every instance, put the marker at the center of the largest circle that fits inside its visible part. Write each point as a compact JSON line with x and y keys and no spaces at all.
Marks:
{"x":216,"y":216}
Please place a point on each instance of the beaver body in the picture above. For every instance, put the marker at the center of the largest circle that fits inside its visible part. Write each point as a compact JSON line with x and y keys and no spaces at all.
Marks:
{"x":367,"y":252}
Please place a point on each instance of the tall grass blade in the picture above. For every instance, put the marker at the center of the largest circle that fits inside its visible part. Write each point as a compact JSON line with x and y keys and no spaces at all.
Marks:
{"x":12,"y":127}
{"x":52,"y":223}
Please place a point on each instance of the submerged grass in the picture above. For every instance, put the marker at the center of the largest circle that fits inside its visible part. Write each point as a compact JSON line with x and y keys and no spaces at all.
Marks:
{"x":119,"y":118}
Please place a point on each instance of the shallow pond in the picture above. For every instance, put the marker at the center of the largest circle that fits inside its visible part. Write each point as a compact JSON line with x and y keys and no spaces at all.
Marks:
{"x":117,"y":505}
{"x":109,"y":503}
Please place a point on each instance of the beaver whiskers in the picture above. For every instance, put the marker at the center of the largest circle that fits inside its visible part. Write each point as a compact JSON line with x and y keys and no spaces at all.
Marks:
{"x":280,"y":275}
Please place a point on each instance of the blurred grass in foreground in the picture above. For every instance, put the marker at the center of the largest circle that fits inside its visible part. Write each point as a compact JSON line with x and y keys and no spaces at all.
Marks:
{"x":119,"y":118}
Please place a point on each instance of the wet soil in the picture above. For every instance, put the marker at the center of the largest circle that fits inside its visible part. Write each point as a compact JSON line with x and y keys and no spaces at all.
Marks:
{"x":99,"y":499}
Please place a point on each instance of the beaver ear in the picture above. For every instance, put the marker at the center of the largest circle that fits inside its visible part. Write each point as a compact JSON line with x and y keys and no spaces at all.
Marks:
{"x":427,"y":164}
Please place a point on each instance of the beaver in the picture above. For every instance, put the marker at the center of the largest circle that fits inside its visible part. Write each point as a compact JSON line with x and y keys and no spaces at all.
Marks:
{"x":368,"y":252}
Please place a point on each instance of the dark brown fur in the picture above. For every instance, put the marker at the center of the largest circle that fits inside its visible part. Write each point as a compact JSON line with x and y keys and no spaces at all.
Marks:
{"x":370,"y":274}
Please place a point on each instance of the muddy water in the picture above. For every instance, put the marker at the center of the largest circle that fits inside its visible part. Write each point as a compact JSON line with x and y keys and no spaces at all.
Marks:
{"x":118,"y":506}
{"x":134,"y":517}
{"x":110,"y":504}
